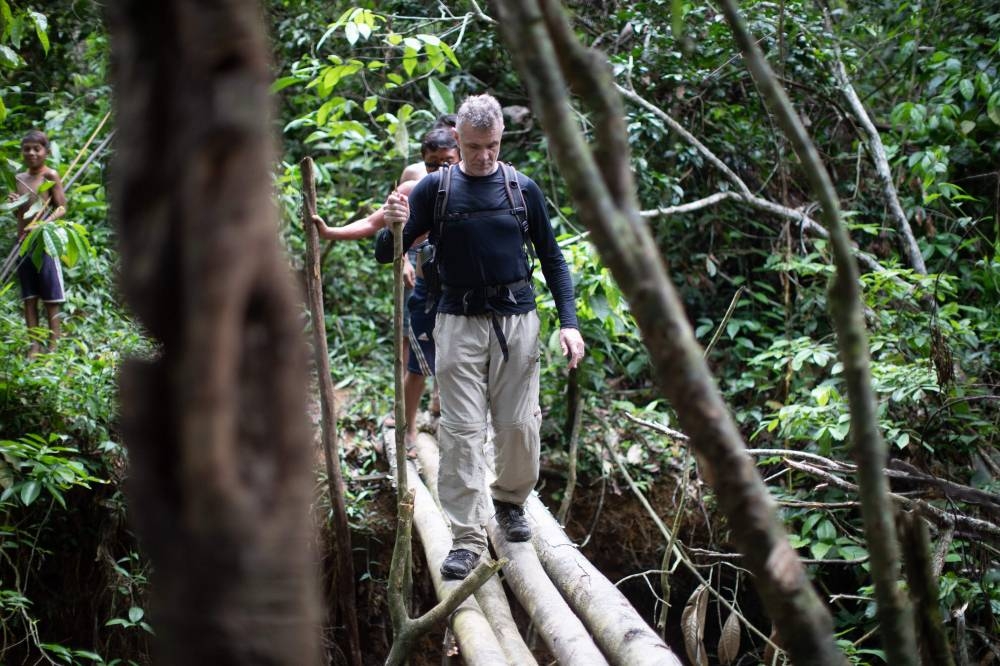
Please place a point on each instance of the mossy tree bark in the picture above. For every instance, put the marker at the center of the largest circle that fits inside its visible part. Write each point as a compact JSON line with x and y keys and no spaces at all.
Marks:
{"x":545,"y":51}
{"x":215,"y":424}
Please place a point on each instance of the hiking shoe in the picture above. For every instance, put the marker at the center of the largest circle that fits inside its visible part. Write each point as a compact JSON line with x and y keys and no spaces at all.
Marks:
{"x":459,"y":563}
{"x":511,"y":519}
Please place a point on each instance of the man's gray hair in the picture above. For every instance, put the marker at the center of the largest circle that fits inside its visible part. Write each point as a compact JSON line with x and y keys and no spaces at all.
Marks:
{"x":481,"y":112}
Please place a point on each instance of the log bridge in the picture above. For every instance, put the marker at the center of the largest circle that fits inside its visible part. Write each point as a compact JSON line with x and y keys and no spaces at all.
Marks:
{"x":579,"y":614}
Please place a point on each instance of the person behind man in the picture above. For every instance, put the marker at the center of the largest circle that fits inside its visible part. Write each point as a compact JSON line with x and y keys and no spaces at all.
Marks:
{"x":418,"y":170}
{"x":487,"y":328}
{"x":43,"y":283}
{"x":438,"y":147}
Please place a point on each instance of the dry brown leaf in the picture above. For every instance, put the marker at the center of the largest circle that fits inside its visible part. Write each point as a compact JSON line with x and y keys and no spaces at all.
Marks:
{"x":693,"y":626}
{"x":729,"y":641}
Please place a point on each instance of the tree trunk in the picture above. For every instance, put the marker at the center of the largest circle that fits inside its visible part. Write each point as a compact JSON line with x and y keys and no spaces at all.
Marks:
{"x":219,"y":448}
{"x":606,"y":201}
{"x":867,"y":445}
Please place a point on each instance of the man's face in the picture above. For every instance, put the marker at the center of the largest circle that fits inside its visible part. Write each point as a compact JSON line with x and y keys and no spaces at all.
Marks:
{"x":480,"y":148}
{"x":33,"y":154}
{"x":435,"y":158}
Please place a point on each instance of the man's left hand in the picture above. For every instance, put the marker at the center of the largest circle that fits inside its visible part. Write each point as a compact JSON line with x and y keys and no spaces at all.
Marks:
{"x":572,"y":345}
{"x":409,"y":275}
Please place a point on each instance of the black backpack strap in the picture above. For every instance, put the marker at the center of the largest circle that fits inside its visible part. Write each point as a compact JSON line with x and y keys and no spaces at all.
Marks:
{"x":441,"y":202}
{"x":518,"y":205}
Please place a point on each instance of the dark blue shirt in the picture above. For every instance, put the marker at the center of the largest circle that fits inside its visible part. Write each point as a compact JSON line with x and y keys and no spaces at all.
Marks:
{"x":486,"y":249}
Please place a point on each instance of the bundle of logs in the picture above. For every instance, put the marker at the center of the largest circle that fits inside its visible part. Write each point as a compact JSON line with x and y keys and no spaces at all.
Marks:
{"x":578,"y":613}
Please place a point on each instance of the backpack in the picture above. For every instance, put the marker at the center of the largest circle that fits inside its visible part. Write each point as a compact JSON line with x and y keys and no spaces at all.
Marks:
{"x":428,"y":255}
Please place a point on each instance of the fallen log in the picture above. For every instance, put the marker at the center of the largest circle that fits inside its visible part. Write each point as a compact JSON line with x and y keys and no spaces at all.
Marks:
{"x":490,"y":596}
{"x":476,"y":640}
{"x":559,"y":627}
{"x":624,"y":637}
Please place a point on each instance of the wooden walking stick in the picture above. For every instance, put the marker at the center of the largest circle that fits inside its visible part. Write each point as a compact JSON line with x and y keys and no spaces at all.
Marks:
{"x":341,"y":531}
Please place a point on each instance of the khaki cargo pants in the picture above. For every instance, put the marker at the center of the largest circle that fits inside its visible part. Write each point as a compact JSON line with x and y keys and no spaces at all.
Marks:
{"x":473,"y":377}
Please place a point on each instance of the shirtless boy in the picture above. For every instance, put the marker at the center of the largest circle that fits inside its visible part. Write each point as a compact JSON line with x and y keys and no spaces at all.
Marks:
{"x":44,"y":283}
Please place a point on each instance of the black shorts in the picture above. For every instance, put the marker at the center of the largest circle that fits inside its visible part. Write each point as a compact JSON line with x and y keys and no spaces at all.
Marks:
{"x":421,"y":331}
{"x":45,"y":283}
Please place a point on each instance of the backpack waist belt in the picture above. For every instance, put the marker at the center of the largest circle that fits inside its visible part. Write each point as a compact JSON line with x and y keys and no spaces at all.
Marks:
{"x":492,"y":291}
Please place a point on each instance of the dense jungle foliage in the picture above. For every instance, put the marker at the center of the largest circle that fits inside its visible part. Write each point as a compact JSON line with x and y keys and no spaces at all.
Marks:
{"x":355,"y":86}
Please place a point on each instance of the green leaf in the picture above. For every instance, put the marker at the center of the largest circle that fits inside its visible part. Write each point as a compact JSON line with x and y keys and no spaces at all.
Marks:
{"x":9,"y":57}
{"x":6,"y":16}
{"x":351,"y":32}
{"x":30,"y":492}
{"x":88,"y":655}
{"x":409,"y":63}
{"x":993,"y":107}
{"x":819,"y":549}
{"x":135,"y":614}
{"x":20,"y":201}
{"x":826,"y":531}
{"x":57,"y":494}
{"x":72,"y":252}
{"x":52,"y":240}
{"x":441,"y":96}
{"x":451,"y":54}
{"x":41,"y":29}
{"x":283,"y":83}
{"x":34,"y":209}
{"x":967,"y":89}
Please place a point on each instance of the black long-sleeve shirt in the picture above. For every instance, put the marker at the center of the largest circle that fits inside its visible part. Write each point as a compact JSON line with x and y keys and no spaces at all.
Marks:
{"x":486,"y":250}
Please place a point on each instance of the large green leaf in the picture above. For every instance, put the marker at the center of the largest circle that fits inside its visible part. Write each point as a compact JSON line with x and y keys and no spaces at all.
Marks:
{"x":441,"y":96}
{"x":30,"y":492}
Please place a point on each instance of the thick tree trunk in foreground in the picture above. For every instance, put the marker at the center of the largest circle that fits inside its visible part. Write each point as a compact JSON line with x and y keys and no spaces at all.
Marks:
{"x":543,"y":46}
{"x":215,"y":424}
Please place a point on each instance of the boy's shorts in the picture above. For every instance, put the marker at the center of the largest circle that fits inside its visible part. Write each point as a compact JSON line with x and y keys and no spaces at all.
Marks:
{"x":421,"y":332}
{"x":45,"y":283}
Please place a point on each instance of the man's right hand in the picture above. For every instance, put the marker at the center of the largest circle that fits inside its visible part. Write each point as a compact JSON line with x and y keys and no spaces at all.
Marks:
{"x":397,"y":209}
